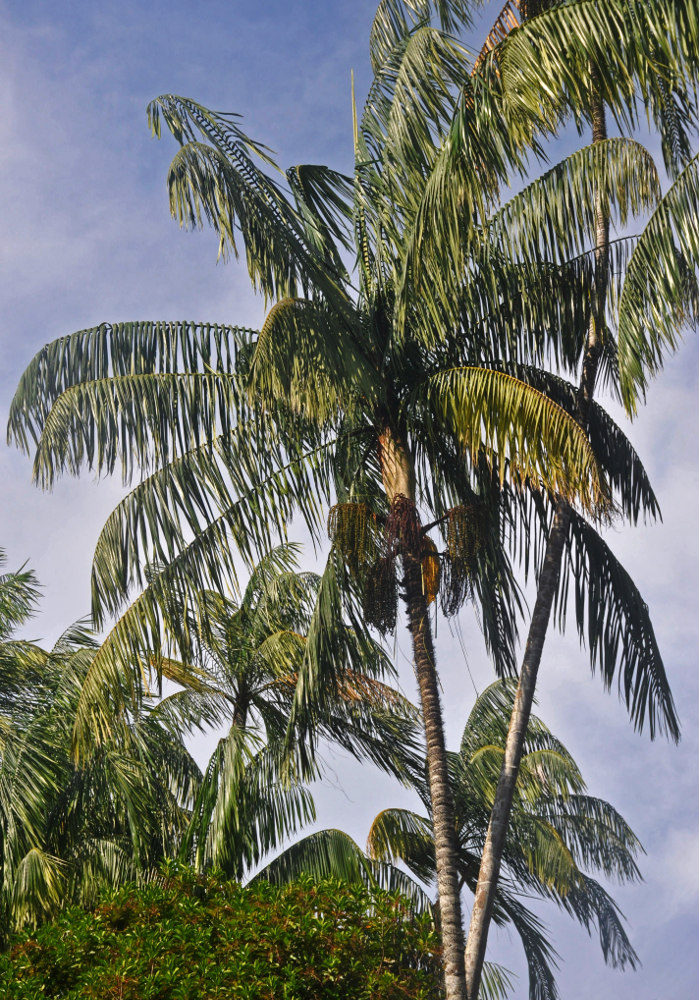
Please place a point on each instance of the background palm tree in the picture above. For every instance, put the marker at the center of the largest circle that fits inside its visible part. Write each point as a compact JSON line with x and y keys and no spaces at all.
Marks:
{"x":558,"y":836}
{"x":253,"y":794}
{"x":589,"y":77}
{"x":66,"y":831}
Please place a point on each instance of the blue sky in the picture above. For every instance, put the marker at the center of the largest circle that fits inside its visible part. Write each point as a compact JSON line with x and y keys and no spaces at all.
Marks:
{"x":86,"y":237}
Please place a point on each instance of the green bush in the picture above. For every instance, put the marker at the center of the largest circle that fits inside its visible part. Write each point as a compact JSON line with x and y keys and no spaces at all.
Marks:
{"x":187,"y":937}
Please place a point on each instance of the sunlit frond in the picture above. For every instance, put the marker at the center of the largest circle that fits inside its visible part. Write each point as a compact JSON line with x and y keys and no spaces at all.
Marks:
{"x":553,"y":218}
{"x":522,"y":431}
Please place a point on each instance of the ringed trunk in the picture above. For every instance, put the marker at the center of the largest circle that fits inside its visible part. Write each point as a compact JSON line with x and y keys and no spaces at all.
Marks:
{"x":399,"y":482}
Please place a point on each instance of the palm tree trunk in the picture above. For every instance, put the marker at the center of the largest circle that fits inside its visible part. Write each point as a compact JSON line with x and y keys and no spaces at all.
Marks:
{"x":399,"y":477}
{"x":438,"y":776}
{"x":546,"y":590}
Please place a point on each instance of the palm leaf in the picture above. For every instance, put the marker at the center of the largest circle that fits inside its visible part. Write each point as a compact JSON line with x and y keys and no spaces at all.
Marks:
{"x":198,"y":494}
{"x":614,"y":621}
{"x":394,"y":19}
{"x":217,"y":180}
{"x":553,"y":218}
{"x":325,"y":854}
{"x":402,"y":835}
{"x":121,"y":350}
{"x":634,"y":47}
{"x":530,"y":436}
{"x":660,"y":295}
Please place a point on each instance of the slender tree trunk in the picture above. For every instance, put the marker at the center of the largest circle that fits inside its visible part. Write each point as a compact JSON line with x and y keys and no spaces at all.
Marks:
{"x":399,"y":482}
{"x":445,"y":840}
{"x":546,"y":591}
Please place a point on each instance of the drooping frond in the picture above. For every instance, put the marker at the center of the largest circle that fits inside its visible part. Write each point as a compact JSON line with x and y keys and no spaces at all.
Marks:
{"x":553,"y":218}
{"x":326,"y":854}
{"x":618,"y":459}
{"x":308,"y":360}
{"x":19,"y":592}
{"x":38,"y":886}
{"x":134,"y":421}
{"x":521,"y":431}
{"x":402,"y":835}
{"x":394,"y":19}
{"x":218,"y":181}
{"x":540,"y":954}
{"x":206,"y":491}
{"x":323,"y":200}
{"x":119,"y":350}
{"x":497,"y":982}
{"x":634,"y":47}
{"x":591,"y":904}
{"x":614,"y":622}
{"x":660,"y":296}
{"x":599,"y":837}
{"x":243,"y":811}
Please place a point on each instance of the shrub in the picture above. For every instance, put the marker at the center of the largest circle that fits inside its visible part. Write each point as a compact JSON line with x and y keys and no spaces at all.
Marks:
{"x":186,"y":936}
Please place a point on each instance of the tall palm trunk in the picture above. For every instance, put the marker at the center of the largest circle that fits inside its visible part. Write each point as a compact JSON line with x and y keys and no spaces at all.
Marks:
{"x":546,"y":591}
{"x":399,"y":483}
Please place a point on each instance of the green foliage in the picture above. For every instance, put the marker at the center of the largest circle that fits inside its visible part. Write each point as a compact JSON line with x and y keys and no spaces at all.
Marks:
{"x":66,"y":830}
{"x":184,"y":936}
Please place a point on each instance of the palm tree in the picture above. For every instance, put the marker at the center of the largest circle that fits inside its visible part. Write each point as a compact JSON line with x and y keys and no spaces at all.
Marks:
{"x":334,"y":396}
{"x":138,"y":798}
{"x":65,"y":831}
{"x":528,"y":61}
{"x":558,"y":834}
{"x":249,"y":654}
{"x":379,"y":397}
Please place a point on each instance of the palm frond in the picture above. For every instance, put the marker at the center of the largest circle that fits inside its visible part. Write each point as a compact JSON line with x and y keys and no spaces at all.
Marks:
{"x":305,"y":358}
{"x":591,"y":905}
{"x":635,"y":48}
{"x":38,"y":886}
{"x":597,"y":835}
{"x":660,"y":296}
{"x":613,"y":620}
{"x":325,"y":854}
{"x":553,"y":218}
{"x":540,"y":955}
{"x":618,"y":459}
{"x":214,"y":492}
{"x":120,"y":349}
{"x":529,"y":436}
{"x":323,"y":200}
{"x":19,"y":593}
{"x":394,"y":19}
{"x":402,"y":835}
{"x":218,"y":181}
